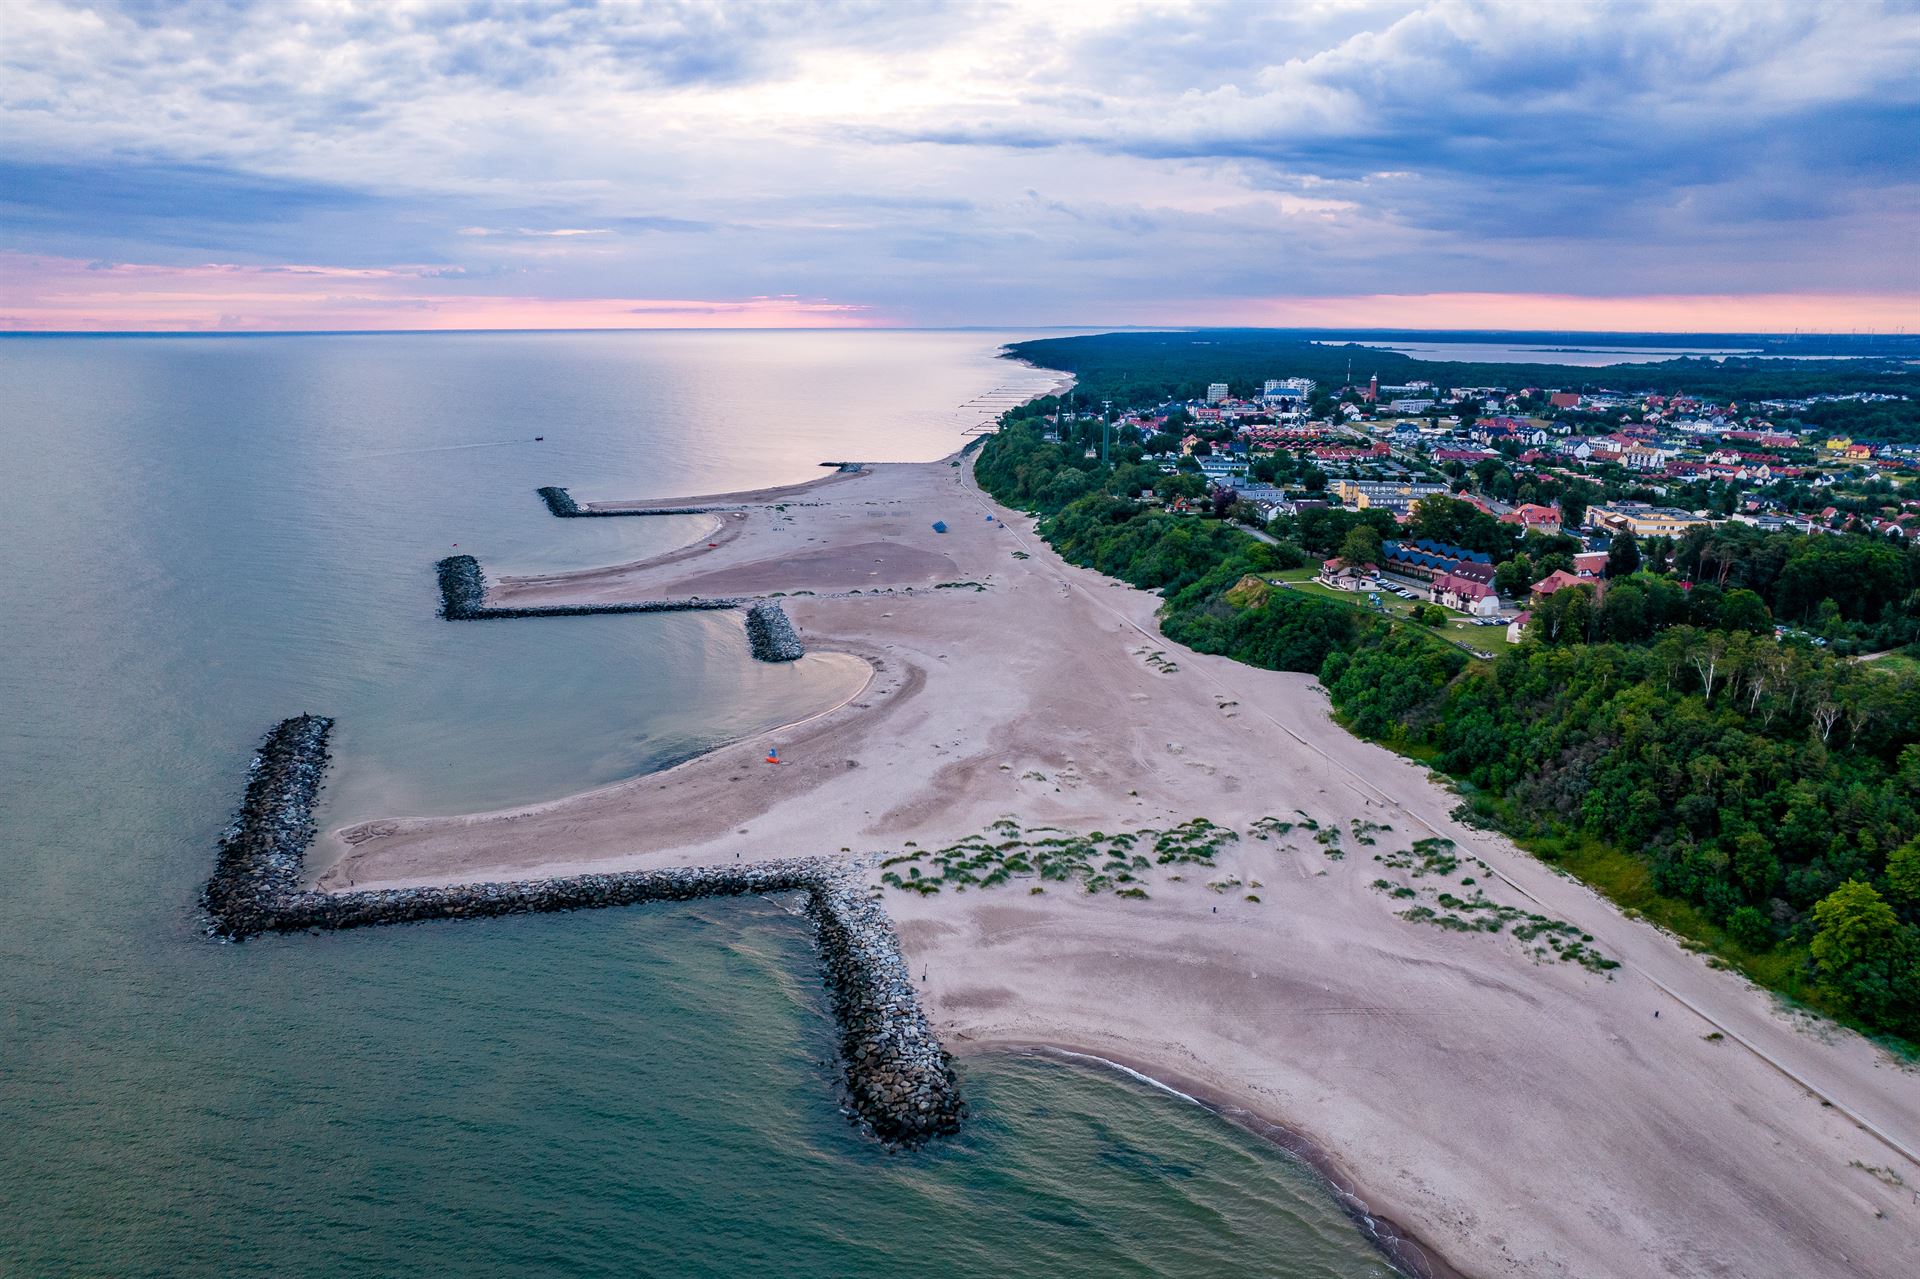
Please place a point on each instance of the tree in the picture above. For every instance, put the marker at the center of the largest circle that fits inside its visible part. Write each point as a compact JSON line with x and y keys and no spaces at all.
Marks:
{"x":1903,"y":875}
{"x":1623,"y":555}
{"x":1750,"y":928}
{"x":1516,"y":577}
{"x":1743,"y":610}
{"x":1223,"y":498}
{"x":1862,"y":951}
{"x":1361,"y":546}
{"x":1853,"y":925}
{"x":1623,"y":613}
{"x":1564,"y":616}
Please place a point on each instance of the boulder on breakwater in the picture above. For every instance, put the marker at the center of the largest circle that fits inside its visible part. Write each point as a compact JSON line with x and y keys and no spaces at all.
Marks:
{"x":560,"y":502}
{"x":463,"y":591}
{"x":771,"y":635}
{"x":900,"y":1082}
{"x":261,"y":855}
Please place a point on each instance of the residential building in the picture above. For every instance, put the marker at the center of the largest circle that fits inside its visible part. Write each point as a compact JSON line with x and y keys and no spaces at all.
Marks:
{"x":1641,"y":520}
{"x":1360,"y":494}
{"x":1560,"y":580}
{"x":1216,"y":392}
{"x":1532,"y":516}
{"x":1464,"y":594}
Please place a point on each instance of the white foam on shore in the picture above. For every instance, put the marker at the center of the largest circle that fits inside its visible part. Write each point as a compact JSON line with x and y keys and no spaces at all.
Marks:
{"x":1398,"y":1248}
{"x":1129,"y":1071}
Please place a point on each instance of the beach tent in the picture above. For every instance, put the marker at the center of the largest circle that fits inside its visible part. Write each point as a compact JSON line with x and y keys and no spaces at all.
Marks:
{"x":939,"y":526}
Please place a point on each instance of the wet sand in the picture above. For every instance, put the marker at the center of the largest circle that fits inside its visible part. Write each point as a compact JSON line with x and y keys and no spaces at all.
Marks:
{"x":1516,"y":1116}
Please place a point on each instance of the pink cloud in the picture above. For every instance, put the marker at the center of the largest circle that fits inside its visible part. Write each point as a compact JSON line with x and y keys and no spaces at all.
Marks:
{"x":52,"y":294}
{"x":1649,"y":313}
{"x":64,"y":294}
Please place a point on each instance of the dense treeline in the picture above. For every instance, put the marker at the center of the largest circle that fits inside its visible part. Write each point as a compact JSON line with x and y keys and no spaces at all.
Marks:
{"x":1855,"y":587}
{"x":1772,"y":787}
{"x":1145,"y":368}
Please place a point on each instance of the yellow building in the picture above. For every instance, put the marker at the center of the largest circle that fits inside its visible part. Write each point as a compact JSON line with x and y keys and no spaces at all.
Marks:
{"x":1642,"y":520}
{"x":1360,"y":494}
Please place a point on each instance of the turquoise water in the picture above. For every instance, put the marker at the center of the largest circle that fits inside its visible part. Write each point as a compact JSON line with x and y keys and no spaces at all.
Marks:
{"x":200,"y":536}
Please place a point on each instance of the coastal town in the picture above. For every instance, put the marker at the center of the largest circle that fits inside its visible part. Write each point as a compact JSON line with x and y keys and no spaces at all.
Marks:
{"x":1563,"y":481}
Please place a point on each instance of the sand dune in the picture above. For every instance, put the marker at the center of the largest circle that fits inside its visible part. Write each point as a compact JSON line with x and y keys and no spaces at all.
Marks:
{"x":1519,"y":1114}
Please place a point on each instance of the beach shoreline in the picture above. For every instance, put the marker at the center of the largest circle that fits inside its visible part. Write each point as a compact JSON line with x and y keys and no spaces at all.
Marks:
{"x":1513,"y":1116}
{"x":1400,"y":1246}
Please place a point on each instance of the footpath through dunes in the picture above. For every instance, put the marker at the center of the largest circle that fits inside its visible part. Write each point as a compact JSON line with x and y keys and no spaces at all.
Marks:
{"x":1429,"y":1006}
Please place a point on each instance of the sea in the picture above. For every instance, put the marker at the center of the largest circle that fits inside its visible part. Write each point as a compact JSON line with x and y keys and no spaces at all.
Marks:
{"x":202,"y":535}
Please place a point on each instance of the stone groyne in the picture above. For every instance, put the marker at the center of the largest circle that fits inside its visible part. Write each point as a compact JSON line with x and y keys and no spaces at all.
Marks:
{"x":900,"y":1083}
{"x":463,"y":593}
{"x":770,"y":635}
{"x":561,"y":504}
{"x":899,"y":1079}
{"x":263,"y":851}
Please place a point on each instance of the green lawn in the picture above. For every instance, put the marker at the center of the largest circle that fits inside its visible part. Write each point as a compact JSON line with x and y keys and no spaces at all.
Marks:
{"x":1892,"y":663}
{"x":1487,"y":639}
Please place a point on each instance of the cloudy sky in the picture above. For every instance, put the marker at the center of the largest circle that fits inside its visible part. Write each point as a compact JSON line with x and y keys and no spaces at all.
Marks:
{"x":417,"y":164}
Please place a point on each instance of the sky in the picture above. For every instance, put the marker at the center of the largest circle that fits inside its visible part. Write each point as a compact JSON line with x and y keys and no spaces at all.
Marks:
{"x":450,"y":164}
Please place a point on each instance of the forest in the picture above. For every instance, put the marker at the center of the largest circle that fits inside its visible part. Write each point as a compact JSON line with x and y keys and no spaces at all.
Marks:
{"x":1761,"y":796}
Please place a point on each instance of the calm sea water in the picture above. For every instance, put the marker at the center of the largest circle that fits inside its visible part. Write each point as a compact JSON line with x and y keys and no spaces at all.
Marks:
{"x":200,"y":536}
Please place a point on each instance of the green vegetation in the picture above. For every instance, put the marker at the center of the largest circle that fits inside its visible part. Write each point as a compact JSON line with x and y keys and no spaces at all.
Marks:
{"x":1098,"y":862}
{"x":1544,"y":937}
{"x":1747,"y":792}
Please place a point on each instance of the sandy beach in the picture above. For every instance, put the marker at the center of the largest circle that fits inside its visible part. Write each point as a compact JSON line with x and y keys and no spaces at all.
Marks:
{"x":1516,"y":1114}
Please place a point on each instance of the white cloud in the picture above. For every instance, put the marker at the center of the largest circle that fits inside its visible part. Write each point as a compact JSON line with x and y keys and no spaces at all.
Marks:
{"x":949,"y":161}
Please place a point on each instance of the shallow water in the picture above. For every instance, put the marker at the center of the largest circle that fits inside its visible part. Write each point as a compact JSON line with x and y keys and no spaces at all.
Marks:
{"x":200,"y":536}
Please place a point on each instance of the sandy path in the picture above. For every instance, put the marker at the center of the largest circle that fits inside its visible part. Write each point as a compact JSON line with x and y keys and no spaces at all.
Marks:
{"x":1520,"y":1117}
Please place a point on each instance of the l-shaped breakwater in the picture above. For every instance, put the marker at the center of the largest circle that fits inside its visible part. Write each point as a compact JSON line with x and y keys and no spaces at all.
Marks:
{"x":463,"y":596}
{"x":899,"y":1081}
{"x":561,"y":504}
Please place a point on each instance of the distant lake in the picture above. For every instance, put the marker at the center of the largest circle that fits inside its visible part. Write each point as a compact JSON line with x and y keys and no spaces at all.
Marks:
{"x":1584,"y":357}
{"x":203,"y":535}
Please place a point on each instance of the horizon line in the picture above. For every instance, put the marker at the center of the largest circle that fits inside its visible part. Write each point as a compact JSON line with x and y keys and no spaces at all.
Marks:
{"x":1898,"y":332}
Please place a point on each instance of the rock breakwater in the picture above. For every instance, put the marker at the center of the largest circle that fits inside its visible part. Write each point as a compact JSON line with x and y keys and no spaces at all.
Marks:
{"x":263,"y":851}
{"x":463,"y":593}
{"x":900,"y":1082}
{"x":561,"y":504}
{"x":771,"y":635}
